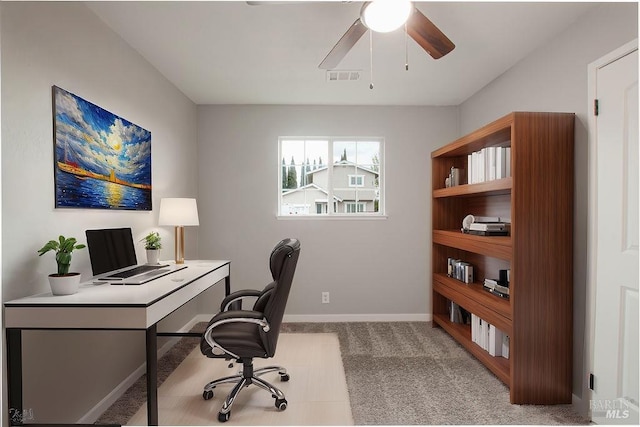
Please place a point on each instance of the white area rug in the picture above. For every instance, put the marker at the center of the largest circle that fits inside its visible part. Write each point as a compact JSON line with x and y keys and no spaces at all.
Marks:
{"x":316,"y":393}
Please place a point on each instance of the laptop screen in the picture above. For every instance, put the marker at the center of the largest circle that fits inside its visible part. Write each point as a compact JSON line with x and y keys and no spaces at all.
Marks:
{"x":110,"y":249}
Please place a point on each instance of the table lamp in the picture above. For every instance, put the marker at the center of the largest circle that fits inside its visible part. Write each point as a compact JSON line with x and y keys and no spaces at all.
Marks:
{"x":179,"y":212}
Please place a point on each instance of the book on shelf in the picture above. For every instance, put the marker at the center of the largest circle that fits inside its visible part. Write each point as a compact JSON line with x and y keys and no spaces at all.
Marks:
{"x":487,"y":233}
{"x":488,"y":164}
{"x":505,"y":346}
{"x":496,"y":287}
{"x":495,"y":341}
{"x":490,"y":219}
{"x":458,"y":314}
{"x":489,"y":338}
{"x":489,"y":226}
{"x":486,"y":225}
{"x":460,"y":270}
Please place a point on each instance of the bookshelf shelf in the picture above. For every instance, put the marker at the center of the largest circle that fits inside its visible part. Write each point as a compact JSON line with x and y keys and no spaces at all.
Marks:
{"x":493,"y":309}
{"x":495,"y":187}
{"x":495,"y":246}
{"x":538,"y":198}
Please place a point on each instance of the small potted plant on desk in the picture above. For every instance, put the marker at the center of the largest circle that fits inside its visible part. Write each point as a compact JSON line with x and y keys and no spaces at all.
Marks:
{"x":153,"y":244}
{"x":63,"y":283}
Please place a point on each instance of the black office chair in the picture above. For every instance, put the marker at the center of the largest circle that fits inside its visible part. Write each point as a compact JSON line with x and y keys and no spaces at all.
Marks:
{"x":244,"y":334}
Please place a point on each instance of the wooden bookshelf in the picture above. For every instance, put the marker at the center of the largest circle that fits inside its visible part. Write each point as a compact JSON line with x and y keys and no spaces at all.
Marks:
{"x":538,"y":198}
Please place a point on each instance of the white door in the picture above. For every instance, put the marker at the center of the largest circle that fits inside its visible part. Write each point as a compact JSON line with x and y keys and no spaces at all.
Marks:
{"x":615,"y":358}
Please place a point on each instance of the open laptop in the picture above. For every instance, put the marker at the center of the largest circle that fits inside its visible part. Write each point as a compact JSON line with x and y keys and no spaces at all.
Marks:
{"x":113,"y":259}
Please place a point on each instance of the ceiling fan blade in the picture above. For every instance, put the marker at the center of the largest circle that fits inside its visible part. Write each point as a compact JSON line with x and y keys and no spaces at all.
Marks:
{"x":344,"y":45}
{"x":428,"y":36}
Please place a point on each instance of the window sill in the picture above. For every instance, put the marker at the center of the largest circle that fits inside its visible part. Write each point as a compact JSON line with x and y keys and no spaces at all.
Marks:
{"x":348,"y":217}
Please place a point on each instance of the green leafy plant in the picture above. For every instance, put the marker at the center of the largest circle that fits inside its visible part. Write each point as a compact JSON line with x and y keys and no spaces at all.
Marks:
{"x":63,"y":248}
{"x":152,"y":241}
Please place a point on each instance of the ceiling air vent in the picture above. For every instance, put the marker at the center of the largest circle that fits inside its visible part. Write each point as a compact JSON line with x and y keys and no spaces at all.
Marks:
{"x":343,"y":75}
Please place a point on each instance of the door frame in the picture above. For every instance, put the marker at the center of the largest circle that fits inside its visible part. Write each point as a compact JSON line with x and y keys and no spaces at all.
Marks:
{"x":589,"y":349}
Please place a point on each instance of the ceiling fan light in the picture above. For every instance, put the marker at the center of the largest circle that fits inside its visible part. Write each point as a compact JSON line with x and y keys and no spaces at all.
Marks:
{"x":384,"y":16}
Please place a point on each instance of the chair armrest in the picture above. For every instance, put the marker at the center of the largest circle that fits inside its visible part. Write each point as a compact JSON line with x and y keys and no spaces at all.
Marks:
{"x":238,"y":296}
{"x":247,"y":316}
{"x":233,"y":316}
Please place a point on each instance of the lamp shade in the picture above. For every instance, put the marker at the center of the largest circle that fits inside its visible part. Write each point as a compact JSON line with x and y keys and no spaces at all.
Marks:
{"x":178,"y":211}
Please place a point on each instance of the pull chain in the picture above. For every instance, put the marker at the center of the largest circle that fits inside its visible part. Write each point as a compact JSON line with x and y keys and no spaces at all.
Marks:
{"x":406,"y":48}
{"x":371,"y":59}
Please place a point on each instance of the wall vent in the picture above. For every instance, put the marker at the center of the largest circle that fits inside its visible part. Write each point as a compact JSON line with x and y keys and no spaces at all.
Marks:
{"x":343,"y":75}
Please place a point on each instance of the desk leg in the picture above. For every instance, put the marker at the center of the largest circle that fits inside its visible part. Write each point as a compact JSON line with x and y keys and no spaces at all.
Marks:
{"x":152,"y":376}
{"x":227,"y":285}
{"x":14,"y":375}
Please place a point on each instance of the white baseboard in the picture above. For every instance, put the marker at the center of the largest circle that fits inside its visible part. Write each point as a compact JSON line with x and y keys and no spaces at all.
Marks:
{"x":581,"y":406}
{"x":202,"y":318}
{"x":332,"y":318}
{"x":95,"y":412}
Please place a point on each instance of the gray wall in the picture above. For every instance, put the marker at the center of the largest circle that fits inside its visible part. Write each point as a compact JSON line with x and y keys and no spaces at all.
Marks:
{"x":554,"y":78}
{"x":65,"y":44}
{"x":376,"y":267}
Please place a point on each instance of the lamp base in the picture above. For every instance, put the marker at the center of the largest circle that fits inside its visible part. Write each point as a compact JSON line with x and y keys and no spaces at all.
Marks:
{"x":179,"y":244}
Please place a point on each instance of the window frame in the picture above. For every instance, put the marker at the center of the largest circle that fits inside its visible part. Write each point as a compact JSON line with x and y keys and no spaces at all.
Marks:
{"x":333,"y":213}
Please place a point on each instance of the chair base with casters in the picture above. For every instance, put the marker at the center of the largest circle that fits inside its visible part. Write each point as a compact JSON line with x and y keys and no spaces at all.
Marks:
{"x":245,"y":334}
{"x":247,"y":377}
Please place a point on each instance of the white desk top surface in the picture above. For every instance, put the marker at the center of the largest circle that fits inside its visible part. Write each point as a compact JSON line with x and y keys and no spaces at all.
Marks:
{"x":90,"y":294}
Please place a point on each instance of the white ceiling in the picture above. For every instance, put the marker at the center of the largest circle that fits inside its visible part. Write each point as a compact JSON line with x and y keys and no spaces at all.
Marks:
{"x":230,"y":52}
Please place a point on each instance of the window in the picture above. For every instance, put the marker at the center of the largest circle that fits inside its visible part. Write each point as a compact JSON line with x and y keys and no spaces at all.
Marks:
{"x":351,"y":207}
{"x":356,"y":180}
{"x":320,"y":177}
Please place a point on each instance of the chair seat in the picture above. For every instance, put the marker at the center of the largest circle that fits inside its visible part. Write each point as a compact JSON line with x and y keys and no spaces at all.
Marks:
{"x":242,"y":339}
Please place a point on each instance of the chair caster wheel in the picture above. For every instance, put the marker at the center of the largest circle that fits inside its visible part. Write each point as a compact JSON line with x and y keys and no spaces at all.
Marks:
{"x":284,"y":377}
{"x":207,"y":394}
{"x":223,"y":418}
{"x":281,"y":404}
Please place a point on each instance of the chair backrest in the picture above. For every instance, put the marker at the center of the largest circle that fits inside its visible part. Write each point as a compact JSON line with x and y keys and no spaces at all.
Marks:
{"x":282,"y":262}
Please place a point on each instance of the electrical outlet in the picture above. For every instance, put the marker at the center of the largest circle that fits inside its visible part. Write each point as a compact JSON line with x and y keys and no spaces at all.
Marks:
{"x":325,"y":298}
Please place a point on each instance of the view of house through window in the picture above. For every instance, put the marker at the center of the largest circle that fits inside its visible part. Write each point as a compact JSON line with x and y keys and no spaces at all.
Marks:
{"x":330,"y":176}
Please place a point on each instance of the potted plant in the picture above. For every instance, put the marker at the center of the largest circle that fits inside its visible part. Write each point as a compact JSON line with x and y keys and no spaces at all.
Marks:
{"x":63,"y":282}
{"x":153,"y":244}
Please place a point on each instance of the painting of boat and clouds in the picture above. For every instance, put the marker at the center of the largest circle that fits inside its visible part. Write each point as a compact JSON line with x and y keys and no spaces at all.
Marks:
{"x":101,"y":160}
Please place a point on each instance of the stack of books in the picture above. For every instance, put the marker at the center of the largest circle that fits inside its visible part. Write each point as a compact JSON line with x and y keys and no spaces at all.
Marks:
{"x":458,"y":314}
{"x":460,"y":270}
{"x":488,"y":164}
{"x":489,"y":226}
{"x":496,"y":288}
{"x":489,"y":338}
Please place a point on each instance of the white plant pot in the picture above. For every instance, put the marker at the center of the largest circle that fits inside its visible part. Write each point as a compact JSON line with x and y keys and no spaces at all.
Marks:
{"x":153,"y":256}
{"x":64,"y":285}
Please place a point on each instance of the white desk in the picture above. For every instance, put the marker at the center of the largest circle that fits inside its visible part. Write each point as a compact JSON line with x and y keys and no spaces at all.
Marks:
{"x":112,"y":307}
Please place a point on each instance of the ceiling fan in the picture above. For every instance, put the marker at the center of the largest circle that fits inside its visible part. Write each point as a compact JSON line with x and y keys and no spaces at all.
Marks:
{"x":418,"y":27}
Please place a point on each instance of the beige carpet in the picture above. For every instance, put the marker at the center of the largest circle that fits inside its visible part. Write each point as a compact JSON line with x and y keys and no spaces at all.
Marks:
{"x":397,"y":373}
{"x":317,"y":392}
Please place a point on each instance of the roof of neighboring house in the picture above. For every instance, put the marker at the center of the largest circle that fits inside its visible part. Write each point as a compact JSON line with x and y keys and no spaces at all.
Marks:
{"x":344,"y":163}
{"x":308,"y":186}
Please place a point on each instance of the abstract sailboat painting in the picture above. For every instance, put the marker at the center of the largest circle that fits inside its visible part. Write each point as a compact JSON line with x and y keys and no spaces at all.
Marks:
{"x":101,"y":160}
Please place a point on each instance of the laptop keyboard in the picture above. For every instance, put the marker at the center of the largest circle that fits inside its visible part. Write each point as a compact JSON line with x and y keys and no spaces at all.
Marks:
{"x":135,"y":271}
